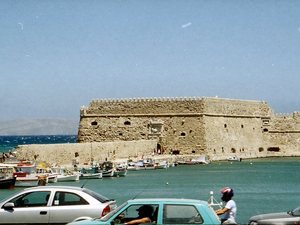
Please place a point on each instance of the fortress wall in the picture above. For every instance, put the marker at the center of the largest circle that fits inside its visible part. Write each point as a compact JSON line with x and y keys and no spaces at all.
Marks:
{"x":172,"y":133}
{"x":231,"y":107}
{"x":193,"y":125}
{"x":63,"y":154}
{"x":233,"y":136}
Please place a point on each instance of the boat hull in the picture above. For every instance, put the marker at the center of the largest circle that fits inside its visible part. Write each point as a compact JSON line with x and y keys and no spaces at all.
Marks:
{"x":7,"y":183}
{"x":68,"y":178}
{"x":91,"y":176}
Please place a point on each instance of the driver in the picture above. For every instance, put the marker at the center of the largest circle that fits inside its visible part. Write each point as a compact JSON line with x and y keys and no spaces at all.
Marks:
{"x":145,"y":214}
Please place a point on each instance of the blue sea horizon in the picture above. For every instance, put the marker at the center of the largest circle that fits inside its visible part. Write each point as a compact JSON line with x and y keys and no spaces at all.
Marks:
{"x":10,"y":142}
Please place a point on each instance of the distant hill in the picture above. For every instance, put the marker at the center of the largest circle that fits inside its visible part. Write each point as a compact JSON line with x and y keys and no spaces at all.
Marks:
{"x":39,"y":127}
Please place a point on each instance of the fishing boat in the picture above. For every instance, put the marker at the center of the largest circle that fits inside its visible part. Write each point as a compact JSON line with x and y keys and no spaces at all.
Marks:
{"x":26,"y":175}
{"x":90,"y":173}
{"x":108,"y":169}
{"x":121,"y":170}
{"x":64,"y":175}
{"x":7,"y":180}
{"x":161,"y":165}
{"x":234,"y":158}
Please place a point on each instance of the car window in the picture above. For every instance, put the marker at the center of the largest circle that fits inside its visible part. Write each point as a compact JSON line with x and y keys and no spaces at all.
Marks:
{"x":96,"y":195}
{"x":181,"y":214}
{"x":132,"y":212}
{"x":67,"y":198}
{"x":32,"y":199}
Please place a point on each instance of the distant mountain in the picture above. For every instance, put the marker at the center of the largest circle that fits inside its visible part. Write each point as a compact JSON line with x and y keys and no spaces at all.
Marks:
{"x":39,"y":127}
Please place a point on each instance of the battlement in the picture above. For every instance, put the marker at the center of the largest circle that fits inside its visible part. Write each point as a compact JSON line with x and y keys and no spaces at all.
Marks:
{"x":177,"y":106}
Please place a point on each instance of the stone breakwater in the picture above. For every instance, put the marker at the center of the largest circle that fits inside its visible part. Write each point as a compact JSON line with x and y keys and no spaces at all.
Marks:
{"x":64,"y":154}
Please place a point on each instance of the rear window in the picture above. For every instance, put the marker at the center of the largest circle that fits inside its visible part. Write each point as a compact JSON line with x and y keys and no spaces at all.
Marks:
{"x":97,"y":196}
{"x":181,"y":214}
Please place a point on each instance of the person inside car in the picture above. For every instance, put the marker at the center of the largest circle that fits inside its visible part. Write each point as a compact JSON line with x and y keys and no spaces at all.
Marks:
{"x":145,"y":215}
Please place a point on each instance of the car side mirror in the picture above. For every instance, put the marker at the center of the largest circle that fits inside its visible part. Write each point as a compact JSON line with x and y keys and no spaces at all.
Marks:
{"x":9,"y":205}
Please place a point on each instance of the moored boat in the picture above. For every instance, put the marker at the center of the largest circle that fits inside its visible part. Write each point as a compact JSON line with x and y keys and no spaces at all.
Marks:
{"x":90,"y":173}
{"x":161,"y":165}
{"x":234,"y":158}
{"x":7,"y":180}
{"x":121,"y":170}
{"x":64,"y":175}
{"x":26,"y":175}
{"x":108,"y":169}
{"x":7,"y":183}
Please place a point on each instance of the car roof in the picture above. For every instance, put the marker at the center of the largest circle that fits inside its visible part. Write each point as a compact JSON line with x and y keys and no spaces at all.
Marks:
{"x":167,"y":200}
{"x":54,"y":187}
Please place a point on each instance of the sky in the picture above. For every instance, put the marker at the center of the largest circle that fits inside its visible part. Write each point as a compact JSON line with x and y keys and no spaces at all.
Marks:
{"x":58,"y":55}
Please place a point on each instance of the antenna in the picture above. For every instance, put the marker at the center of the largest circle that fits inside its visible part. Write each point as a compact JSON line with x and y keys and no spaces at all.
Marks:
{"x":213,"y":202}
{"x":137,"y":194}
{"x":84,"y":183}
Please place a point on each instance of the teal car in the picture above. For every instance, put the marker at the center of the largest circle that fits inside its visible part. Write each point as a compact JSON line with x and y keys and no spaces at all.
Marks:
{"x":160,"y":211}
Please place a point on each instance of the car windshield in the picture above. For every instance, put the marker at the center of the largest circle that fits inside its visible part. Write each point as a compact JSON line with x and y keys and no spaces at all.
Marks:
{"x":296,"y":212}
{"x":110,"y":214}
{"x":97,"y":196}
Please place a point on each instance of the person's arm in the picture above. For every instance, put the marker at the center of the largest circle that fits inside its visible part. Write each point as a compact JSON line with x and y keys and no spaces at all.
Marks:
{"x":138,"y":221}
{"x":222,"y":211}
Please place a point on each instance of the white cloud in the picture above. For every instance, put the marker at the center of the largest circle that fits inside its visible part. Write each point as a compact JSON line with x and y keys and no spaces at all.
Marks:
{"x":21,"y":26}
{"x":186,"y":25}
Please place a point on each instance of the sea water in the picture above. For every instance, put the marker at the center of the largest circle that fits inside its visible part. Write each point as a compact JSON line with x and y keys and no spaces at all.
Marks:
{"x":260,"y":186}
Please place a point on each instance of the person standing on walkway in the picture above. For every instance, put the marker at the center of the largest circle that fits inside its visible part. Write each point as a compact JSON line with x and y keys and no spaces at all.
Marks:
{"x":228,"y":213}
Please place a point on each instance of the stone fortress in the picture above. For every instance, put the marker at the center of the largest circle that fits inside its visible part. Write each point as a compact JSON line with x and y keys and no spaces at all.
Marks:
{"x":215,"y":127}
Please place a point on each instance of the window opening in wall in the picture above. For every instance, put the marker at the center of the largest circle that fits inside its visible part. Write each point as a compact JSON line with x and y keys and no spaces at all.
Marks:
{"x":175,"y":152}
{"x":265,"y":130}
{"x":222,"y":149}
{"x":260,"y":149}
{"x":127,"y":122}
{"x":233,"y":150}
{"x":273,"y":149}
{"x":265,"y":122}
{"x":193,"y":151}
{"x":94,"y":123}
{"x":120,"y":134}
{"x":225,"y":125}
{"x":183,"y":134}
{"x":242,"y":126}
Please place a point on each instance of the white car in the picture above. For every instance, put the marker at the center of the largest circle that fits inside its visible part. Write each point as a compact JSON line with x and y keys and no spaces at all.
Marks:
{"x":53,"y":205}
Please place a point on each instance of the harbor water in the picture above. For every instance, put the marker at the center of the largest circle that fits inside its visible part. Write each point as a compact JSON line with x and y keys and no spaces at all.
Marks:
{"x":260,"y":185}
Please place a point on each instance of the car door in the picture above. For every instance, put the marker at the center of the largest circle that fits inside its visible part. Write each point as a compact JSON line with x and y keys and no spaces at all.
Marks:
{"x":67,"y":206}
{"x":26,"y":208}
{"x":181,"y":214}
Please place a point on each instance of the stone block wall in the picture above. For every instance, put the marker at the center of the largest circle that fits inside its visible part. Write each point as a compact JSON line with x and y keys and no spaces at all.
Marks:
{"x":64,"y":154}
{"x":213,"y":126}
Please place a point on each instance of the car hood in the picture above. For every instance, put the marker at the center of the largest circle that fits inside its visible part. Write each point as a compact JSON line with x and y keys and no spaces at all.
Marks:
{"x":270,"y":216}
{"x":88,"y":222}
